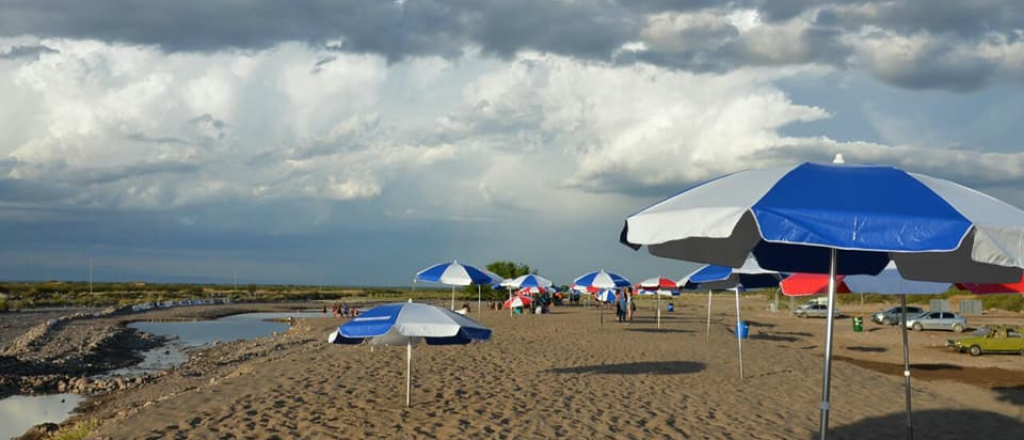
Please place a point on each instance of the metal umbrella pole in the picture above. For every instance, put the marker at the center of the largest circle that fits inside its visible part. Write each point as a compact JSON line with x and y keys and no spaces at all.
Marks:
{"x":739,"y":338}
{"x":707,"y":333}
{"x":408,"y":372}
{"x":827,"y":373}
{"x":658,"y":294}
{"x":453,"y":297}
{"x":906,"y":365}
{"x":478,"y":303}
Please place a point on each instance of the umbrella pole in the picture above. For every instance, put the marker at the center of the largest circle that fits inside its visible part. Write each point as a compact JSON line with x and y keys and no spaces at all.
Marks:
{"x":707,"y":333}
{"x":408,"y":371}
{"x":906,"y":366}
{"x":739,"y":340}
{"x":659,"y":308}
{"x":453,"y":297}
{"x":478,"y":303}
{"x":827,"y":373}
{"x":510,"y":302}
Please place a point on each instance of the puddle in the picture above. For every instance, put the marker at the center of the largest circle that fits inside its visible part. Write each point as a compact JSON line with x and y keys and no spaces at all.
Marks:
{"x":19,"y":413}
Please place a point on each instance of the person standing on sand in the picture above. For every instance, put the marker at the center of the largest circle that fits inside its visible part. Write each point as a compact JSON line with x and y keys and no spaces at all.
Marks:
{"x":622,"y":306}
{"x":630,"y":305}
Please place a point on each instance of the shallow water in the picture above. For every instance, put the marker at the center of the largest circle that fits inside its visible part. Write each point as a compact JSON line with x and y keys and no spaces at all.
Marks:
{"x":19,"y":413}
{"x":194,"y":334}
{"x":246,"y":326}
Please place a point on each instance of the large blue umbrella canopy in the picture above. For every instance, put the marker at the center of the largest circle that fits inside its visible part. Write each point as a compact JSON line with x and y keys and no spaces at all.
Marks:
{"x":455,"y":274}
{"x":837,"y":219}
{"x":408,"y":323}
{"x":791,"y":218}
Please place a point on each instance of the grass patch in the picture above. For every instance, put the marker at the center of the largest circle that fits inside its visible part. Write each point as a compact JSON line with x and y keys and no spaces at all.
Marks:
{"x":78,"y":431}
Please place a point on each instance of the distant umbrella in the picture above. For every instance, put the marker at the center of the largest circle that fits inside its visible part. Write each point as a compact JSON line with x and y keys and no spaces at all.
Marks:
{"x":659,"y":286}
{"x":456,"y":274}
{"x":601,"y":280}
{"x":749,"y":276}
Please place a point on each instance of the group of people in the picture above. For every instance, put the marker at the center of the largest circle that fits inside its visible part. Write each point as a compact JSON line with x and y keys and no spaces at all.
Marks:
{"x":624,"y":305}
{"x":342,"y":310}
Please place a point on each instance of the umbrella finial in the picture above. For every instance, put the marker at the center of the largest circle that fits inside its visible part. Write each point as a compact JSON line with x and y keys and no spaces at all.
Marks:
{"x":839,"y":159}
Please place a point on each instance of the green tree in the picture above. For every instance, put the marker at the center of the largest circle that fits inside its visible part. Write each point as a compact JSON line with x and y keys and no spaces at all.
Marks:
{"x":504,"y":269}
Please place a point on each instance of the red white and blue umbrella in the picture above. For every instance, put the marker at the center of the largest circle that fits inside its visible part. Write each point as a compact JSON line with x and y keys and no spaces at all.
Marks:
{"x":659,"y":286}
{"x":406,"y":324}
{"x":527,"y":281}
{"x":455,"y":274}
{"x":837,"y":219}
{"x":602,"y":280}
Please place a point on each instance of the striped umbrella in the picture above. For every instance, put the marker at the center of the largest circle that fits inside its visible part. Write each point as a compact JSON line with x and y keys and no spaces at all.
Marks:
{"x":456,"y":274}
{"x":659,"y":286}
{"x":837,"y":219}
{"x":408,"y":323}
{"x":602,"y":280}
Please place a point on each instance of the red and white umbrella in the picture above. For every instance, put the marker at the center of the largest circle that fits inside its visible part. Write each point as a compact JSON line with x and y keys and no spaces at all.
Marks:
{"x":518,"y":301}
{"x":659,"y":286}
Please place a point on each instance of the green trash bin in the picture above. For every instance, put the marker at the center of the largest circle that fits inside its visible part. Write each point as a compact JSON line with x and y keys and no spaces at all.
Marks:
{"x":858,"y":324}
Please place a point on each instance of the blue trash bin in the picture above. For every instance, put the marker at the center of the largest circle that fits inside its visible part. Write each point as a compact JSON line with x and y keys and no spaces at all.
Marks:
{"x":671,"y":307}
{"x":742,"y":330}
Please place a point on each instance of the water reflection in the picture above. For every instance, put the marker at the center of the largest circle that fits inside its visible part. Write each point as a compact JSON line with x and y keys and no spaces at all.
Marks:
{"x":230,"y":328}
{"x":19,"y":413}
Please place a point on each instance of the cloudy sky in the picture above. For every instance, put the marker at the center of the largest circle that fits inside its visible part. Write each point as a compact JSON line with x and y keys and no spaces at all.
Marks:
{"x":357,"y":141}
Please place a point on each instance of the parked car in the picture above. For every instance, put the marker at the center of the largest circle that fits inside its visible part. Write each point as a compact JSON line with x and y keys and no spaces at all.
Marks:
{"x":894,"y":315}
{"x":815,"y":311}
{"x":999,"y":338}
{"x":937,"y":321}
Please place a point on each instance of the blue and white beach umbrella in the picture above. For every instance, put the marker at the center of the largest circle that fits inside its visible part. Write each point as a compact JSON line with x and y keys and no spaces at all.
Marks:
{"x":456,"y":274}
{"x":529,"y":280}
{"x":408,"y":323}
{"x":749,"y":276}
{"x":837,"y":219}
{"x":602,"y":280}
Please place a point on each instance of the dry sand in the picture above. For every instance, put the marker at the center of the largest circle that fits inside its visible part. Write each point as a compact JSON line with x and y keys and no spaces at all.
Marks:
{"x":564,"y":376}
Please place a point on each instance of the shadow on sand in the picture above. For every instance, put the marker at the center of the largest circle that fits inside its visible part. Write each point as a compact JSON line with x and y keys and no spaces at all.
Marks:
{"x":933,"y":425}
{"x":868,"y":349}
{"x":658,"y":330}
{"x":666,"y":368}
{"x":1014,"y":395}
{"x":779,"y":336}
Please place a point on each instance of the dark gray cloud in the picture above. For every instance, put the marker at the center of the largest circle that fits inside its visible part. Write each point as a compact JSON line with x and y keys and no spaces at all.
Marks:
{"x":143,"y":137}
{"x":588,"y":29}
{"x":31,"y":52}
{"x":965,"y":18}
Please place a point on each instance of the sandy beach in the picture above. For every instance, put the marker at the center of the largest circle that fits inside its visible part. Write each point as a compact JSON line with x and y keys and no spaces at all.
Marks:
{"x":563,"y":375}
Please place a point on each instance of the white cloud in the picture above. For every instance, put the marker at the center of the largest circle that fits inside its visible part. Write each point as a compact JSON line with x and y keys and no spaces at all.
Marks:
{"x":128,"y":127}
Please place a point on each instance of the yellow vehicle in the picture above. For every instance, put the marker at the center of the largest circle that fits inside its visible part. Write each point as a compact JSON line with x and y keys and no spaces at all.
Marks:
{"x":991,"y":339}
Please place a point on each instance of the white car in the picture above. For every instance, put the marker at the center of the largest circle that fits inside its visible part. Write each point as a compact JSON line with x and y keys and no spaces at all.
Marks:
{"x":938,"y":321}
{"x":815,"y":311}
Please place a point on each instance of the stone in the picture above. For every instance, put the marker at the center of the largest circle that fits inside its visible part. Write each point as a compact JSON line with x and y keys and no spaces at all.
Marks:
{"x":41,"y":431}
